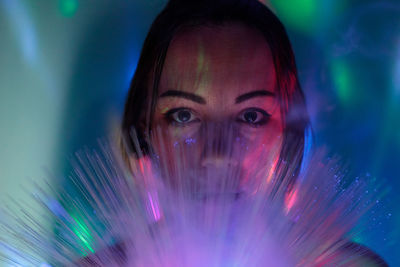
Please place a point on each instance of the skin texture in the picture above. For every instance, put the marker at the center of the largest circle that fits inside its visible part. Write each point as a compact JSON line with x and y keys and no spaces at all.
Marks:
{"x":219,"y":64}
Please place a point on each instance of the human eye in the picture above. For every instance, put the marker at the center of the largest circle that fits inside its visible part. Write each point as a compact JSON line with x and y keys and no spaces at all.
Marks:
{"x":254,"y":117}
{"x":181,"y":116}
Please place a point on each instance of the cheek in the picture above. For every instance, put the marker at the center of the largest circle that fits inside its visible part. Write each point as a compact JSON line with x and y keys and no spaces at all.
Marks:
{"x":172,"y":138}
{"x":175,"y":145}
{"x":262,"y":154}
{"x":265,"y":138}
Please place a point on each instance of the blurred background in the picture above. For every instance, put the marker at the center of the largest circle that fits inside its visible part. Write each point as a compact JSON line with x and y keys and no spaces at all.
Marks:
{"x":65,"y":68}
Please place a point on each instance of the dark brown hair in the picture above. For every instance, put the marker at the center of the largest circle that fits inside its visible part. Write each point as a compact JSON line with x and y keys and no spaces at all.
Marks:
{"x":179,"y":14}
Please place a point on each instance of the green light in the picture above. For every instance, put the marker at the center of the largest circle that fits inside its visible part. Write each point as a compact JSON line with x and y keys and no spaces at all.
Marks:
{"x":299,"y":14}
{"x":68,"y":7}
{"x":200,"y":60}
{"x":357,"y":239}
{"x":343,"y":81}
{"x":84,"y":235}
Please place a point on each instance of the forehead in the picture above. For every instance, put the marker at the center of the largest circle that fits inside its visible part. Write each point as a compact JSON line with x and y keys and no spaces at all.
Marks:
{"x":211,"y":59}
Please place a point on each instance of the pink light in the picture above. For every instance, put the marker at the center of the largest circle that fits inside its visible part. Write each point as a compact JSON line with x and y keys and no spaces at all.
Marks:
{"x":290,"y":200}
{"x":154,"y":207}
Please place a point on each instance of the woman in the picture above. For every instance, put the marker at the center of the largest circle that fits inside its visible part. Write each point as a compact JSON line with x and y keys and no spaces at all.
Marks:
{"x":247,"y":74}
{"x":228,"y":66}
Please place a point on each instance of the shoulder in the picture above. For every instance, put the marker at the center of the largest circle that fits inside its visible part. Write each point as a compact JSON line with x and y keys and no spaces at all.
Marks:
{"x":354,"y":254}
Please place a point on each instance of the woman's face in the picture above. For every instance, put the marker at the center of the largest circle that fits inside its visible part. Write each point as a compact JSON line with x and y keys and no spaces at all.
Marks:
{"x":218,"y":102}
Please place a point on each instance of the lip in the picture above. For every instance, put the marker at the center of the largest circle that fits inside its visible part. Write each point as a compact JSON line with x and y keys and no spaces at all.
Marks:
{"x":214,"y":181}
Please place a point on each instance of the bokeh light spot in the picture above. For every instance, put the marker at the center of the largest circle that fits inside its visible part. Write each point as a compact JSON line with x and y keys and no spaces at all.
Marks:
{"x":68,"y":8}
{"x":298,"y":14}
{"x":342,"y":79}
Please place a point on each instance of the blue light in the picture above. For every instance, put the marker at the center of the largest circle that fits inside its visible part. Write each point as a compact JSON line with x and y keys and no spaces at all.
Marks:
{"x":20,"y":20}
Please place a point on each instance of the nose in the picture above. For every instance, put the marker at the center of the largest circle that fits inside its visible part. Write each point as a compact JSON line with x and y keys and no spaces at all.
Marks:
{"x":219,"y":162}
{"x":218,"y":150}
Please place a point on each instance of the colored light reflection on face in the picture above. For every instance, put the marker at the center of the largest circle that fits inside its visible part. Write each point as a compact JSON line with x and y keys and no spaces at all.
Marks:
{"x":216,"y":77}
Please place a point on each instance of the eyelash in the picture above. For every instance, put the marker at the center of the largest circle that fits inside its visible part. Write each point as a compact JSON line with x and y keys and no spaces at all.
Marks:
{"x":170,"y":113}
{"x":264,"y":120}
{"x":169,"y":116}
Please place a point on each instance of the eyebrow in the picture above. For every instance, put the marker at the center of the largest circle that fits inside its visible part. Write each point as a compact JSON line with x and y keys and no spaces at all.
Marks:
{"x":189,"y":96}
{"x":201,"y":100}
{"x":252,"y":94}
